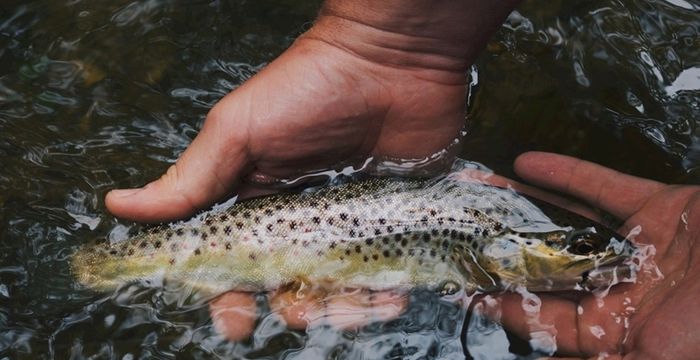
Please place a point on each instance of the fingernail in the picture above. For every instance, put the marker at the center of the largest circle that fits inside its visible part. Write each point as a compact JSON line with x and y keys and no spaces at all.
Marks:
{"x":122,"y":193}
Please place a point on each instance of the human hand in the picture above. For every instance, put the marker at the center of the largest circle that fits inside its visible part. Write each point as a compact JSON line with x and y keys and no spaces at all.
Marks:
{"x":370,"y":79}
{"x":650,"y":319}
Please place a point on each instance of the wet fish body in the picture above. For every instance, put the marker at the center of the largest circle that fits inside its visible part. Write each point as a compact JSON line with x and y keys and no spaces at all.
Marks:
{"x":376,"y":234}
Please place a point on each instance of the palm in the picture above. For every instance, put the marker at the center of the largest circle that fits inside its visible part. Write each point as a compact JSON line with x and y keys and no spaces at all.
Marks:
{"x":313,"y":107}
{"x":634,"y":318}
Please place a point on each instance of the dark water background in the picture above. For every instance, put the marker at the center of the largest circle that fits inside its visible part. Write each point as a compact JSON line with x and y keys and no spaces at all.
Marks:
{"x":97,"y":95}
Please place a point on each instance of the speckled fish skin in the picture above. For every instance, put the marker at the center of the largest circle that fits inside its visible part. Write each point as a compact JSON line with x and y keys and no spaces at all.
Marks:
{"x":377,"y":234}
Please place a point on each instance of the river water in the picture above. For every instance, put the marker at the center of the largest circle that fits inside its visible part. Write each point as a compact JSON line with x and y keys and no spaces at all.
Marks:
{"x":95,"y":96}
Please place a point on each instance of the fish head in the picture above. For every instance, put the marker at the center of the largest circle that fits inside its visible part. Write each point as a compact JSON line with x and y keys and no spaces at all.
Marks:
{"x":558,"y":260}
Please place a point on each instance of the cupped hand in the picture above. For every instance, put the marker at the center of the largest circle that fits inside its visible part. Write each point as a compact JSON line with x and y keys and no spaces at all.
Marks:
{"x":315,"y":106}
{"x":652,"y":318}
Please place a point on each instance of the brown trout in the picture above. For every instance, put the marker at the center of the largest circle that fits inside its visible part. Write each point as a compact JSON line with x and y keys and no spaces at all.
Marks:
{"x":376,"y":234}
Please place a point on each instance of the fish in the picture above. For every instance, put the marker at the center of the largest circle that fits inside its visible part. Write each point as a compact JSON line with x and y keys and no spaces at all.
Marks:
{"x":377,"y":233}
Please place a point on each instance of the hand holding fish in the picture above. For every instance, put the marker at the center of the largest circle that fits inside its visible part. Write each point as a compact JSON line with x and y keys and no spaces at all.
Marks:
{"x":649,"y":319}
{"x":657,"y":310}
{"x":339,"y":94}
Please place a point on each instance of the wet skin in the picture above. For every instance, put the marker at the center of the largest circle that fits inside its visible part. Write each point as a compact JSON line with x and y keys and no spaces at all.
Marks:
{"x":663,"y":308}
{"x":366,"y":83}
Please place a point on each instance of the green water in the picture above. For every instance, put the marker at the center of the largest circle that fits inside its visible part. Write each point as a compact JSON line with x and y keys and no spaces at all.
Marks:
{"x":97,"y":95}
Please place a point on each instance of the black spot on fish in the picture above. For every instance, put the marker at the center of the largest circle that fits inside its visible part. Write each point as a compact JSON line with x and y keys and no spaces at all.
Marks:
{"x":365,"y":258}
{"x":256,"y":219}
{"x":386,"y":253}
{"x":239,"y":225}
{"x":398,"y":237}
{"x":251,"y":256}
{"x":375,"y":257}
{"x":462,"y":237}
{"x":213,"y":230}
{"x":228,"y":246}
{"x":498,"y":227}
{"x":433,"y":253}
{"x":197,"y":252}
{"x":246,"y":214}
{"x":268,"y":212}
{"x":172,"y":261}
{"x":424,"y":219}
{"x":223,"y":218}
{"x":143,"y":244}
{"x":295,"y":241}
{"x":382,"y":221}
{"x":269,"y":227}
{"x":332,"y":245}
{"x":485,"y":233}
{"x":180,"y":232}
{"x":433,"y":212}
{"x":194,"y":232}
{"x":443,"y":258}
{"x":369,"y":241}
{"x":204,"y":236}
{"x":157,"y":244}
{"x":279,"y":207}
{"x":411,"y":252}
{"x":453,"y":234}
{"x":445,"y":232}
{"x":168,"y":235}
{"x":208,"y":221}
{"x":330,"y":221}
{"x":385,"y":240}
{"x":426,"y":237}
{"x":352,"y":233}
{"x":404,"y":242}
{"x":377,"y":232}
{"x":316,"y":220}
{"x":399,"y":252}
{"x":390,"y":229}
{"x":293,"y":225}
{"x":280,"y":220}
{"x":343,"y":216}
{"x":347,"y":252}
{"x":470,"y":238}
{"x":445,"y":244}
{"x":130,"y":252}
{"x":227,"y":230}
{"x":358,"y":249}
{"x":356,"y":221}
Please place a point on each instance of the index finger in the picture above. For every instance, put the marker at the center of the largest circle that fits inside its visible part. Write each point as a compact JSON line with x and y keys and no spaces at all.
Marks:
{"x":617,"y":193}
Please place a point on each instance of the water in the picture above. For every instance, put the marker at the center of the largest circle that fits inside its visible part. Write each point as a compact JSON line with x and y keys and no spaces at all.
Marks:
{"x":97,"y":96}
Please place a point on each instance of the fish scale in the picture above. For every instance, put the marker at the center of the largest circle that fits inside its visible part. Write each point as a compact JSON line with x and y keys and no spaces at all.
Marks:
{"x":377,"y":234}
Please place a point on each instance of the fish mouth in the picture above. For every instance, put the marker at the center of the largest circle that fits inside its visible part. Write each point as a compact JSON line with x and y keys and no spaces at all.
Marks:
{"x":606,"y":275}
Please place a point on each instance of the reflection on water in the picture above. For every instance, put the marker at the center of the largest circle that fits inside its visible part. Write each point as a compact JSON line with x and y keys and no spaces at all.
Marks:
{"x":97,"y":96}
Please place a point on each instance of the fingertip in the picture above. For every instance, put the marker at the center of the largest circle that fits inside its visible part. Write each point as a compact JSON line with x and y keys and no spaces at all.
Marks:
{"x":234,"y":315}
{"x":349,"y":309}
{"x":388,"y":305}
{"x":152,"y":203}
{"x":298,"y":312}
{"x":535,"y":165}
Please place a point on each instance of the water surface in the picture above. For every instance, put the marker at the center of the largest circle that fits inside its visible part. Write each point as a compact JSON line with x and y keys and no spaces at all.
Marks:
{"x":97,"y":96}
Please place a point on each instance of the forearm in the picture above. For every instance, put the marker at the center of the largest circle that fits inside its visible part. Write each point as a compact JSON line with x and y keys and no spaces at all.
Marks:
{"x":442,"y":35}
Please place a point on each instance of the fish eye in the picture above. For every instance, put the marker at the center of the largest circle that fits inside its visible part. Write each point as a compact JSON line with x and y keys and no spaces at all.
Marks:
{"x":585,"y":243}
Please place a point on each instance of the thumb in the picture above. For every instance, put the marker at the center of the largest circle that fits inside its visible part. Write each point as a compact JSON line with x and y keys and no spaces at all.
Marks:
{"x":204,"y":173}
